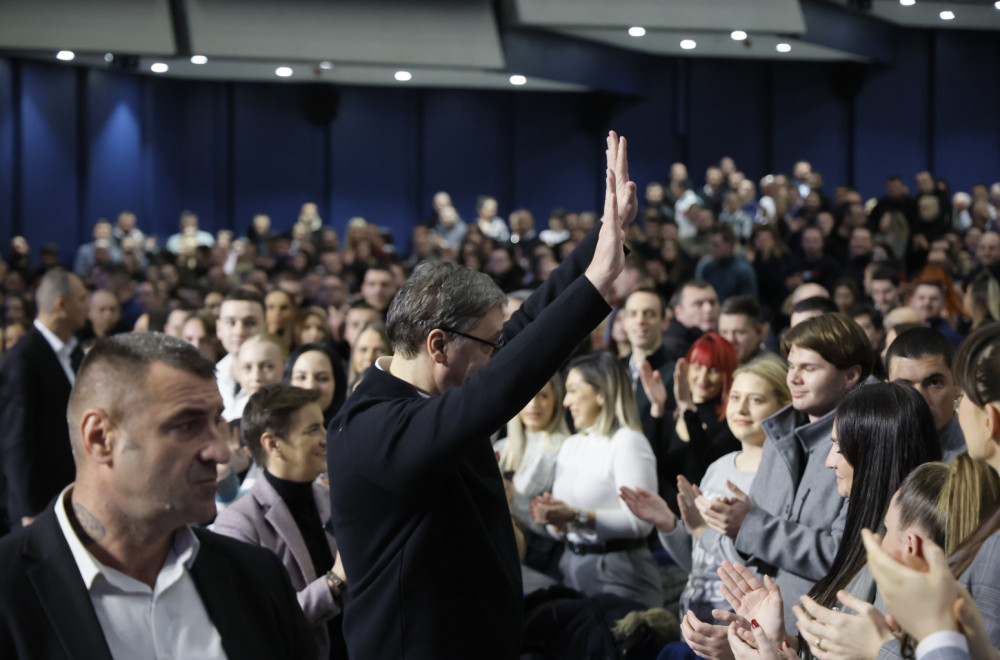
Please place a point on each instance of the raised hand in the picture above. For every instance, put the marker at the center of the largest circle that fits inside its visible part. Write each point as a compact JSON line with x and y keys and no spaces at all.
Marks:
{"x":654,"y":388}
{"x":687,"y":493}
{"x":682,"y":389}
{"x":834,"y":635}
{"x":754,"y":600}
{"x":625,"y":189}
{"x":609,"y":256}
{"x":726,"y":516}
{"x":649,"y":507}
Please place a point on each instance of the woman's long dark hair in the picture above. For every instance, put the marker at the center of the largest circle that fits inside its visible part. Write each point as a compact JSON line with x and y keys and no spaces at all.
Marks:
{"x":884,"y":430}
{"x":339,"y":375}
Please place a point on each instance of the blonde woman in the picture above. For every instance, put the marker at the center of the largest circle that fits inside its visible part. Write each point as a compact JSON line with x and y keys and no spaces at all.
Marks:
{"x":606,"y":550}
{"x":759,"y":390}
{"x":528,"y":461}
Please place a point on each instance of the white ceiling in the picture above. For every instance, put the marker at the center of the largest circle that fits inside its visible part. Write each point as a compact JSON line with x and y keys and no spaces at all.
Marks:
{"x":443,"y":43}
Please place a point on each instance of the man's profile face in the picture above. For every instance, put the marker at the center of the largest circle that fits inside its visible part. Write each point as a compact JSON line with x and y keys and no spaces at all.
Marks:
{"x":465,"y":356}
{"x":816,"y":385}
{"x":933,"y":379}
{"x":76,"y":304}
{"x":743,"y":332}
{"x":238,"y":321}
{"x":644,"y":321}
{"x":170,"y":440}
{"x":698,"y":308}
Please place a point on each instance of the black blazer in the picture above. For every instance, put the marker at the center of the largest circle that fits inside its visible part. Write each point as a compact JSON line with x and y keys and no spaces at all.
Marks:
{"x":418,"y":504}
{"x":45,"y":609}
{"x":34,"y":438}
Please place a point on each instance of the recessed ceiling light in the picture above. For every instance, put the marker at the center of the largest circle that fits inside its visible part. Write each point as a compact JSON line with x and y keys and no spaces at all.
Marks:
{"x":688,"y":44}
{"x":637,"y":31}
{"x":997,"y":4}
{"x":326,"y":66}
{"x":403,"y":76}
{"x":518,"y":79}
{"x":783,"y":48}
{"x":65,"y":55}
{"x":283,"y":71}
{"x":947,"y":15}
{"x":738,"y":35}
{"x":199,"y":59}
{"x":159,"y":67}
{"x":907,"y":3}
{"x":109,"y":57}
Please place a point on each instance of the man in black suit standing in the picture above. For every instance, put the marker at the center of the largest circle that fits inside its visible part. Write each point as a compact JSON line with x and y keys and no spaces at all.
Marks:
{"x":35,"y":380}
{"x":113,"y":567}
{"x":418,"y":503}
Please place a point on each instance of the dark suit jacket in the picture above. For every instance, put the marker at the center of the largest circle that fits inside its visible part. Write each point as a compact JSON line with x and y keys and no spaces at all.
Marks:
{"x":45,"y":609}
{"x":34,"y":438}
{"x":418,"y":504}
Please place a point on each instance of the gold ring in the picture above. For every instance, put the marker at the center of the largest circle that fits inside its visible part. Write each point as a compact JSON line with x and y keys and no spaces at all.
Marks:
{"x":819,"y":643}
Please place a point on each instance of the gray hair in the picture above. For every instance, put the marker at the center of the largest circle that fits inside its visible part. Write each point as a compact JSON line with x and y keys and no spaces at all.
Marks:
{"x":439,"y":294}
{"x":56,"y":283}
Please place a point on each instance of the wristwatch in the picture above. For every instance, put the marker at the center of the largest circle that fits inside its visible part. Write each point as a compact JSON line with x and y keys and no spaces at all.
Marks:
{"x":337,"y":586}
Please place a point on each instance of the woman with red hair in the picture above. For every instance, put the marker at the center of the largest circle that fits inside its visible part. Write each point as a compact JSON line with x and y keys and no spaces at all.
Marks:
{"x":697,"y":434}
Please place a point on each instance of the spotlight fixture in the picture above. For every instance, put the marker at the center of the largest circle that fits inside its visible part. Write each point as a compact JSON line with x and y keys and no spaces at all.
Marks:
{"x":947,"y":15}
{"x":326,"y":66}
{"x":283,"y":71}
{"x":65,"y":55}
{"x":738,"y":35}
{"x":783,"y":48}
{"x":997,"y":4}
{"x":518,"y":79}
{"x":637,"y":31}
{"x":159,"y":67}
{"x":907,"y":3}
{"x":109,"y":57}
{"x":199,"y":59}
{"x":403,"y":76}
{"x":689,"y":44}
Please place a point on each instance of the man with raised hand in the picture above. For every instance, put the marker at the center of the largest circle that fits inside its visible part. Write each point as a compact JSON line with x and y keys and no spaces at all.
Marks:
{"x":418,"y":504}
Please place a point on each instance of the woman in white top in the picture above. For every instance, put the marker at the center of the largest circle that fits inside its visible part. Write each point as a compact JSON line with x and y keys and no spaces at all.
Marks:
{"x":606,"y":550}
{"x":758,"y":391}
{"x":528,"y":461}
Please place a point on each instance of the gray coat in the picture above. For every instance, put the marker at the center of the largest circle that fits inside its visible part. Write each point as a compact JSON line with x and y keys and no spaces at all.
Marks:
{"x":793,"y":531}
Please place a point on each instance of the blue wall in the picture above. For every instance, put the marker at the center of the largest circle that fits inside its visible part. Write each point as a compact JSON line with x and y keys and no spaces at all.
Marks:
{"x":78,"y":144}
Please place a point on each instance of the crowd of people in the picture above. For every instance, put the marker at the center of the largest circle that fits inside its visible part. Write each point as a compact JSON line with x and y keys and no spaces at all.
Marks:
{"x":766,"y":372}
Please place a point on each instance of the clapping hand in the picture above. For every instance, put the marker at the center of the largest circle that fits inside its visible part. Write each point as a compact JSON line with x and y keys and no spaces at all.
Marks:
{"x":726,"y":515}
{"x":654,"y":388}
{"x":754,"y":600}
{"x":834,"y":635}
{"x":649,"y":507}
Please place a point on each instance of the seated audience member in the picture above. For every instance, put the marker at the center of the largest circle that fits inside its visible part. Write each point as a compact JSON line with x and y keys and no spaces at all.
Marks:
{"x":259,"y":362}
{"x":486,"y":217}
{"x":688,"y":441}
{"x":937,"y":503}
{"x":279,"y":316}
{"x":982,"y":300}
{"x":317,"y":367}
{"x":287,"y":509}
{"x":922,"y":358}
{"x":104,"y":313}
{"x":312,"y":326}
{"x":241,"y":316}
{"x":199,"y":331}
{"x":101,"y":251}
{"x":790,"y":523}
{"x":770,"y":257}
{"x":759,"y":390}
{"x":696,"y":310}
{"x":870,"y":320}
{"x":885,"y":289}
{"x":808,"y":308}
{"x":175,"y":319}
{"x":727,"y":272}
{"x":644,"y":317}
{"x":189,"y":237}
{"x":846,"y":294}
{"x":928,"y":301}
{"x":371,"y":344}
{"x":606,"y":550}
{"x":528,"y":461}
{"x":378,"y":287}
{"x":357,"y":316}
{"x":882,"y":432}
{"x":740,"y":323}
{"x":116,"y":562}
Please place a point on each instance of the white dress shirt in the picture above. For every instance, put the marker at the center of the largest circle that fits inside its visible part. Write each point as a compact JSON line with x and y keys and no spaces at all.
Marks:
{"x":62,"y":349}
{"x":167,"y":621}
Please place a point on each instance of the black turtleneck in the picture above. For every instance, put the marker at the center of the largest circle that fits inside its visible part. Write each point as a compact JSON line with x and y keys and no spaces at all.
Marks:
{"x":299,"y":499}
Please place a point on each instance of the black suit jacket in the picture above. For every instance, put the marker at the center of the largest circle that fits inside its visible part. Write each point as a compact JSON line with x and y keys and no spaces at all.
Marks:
{"x":418,"y":504}
{"x":34,"y":438}
{"x":45,"y":609}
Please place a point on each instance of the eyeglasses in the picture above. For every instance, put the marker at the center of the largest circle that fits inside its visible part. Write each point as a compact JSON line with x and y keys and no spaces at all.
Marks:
{"x":496,"y":346}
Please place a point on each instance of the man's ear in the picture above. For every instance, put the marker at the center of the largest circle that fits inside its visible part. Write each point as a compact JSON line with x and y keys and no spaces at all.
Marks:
{"x":853,"y":375}
{"x":97,"y":436}
{"x":268,"y":441}
{"x":436,"y":342}
{"x":914,"y":544}
{"x":993,"y":420}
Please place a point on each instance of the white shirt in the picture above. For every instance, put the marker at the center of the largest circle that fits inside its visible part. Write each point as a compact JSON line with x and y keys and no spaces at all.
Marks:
{"x":590,"y":470}
{"x":167,"y":621}
{"x":232,"y":402}
{"x":62,"y":349}
{"x":941,"y":639}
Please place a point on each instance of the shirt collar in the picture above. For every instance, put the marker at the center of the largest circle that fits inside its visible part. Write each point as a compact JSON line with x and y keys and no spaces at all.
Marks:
{"x":184,"y":547}
{"x":382,"y":364}
{"x":59,"y":347}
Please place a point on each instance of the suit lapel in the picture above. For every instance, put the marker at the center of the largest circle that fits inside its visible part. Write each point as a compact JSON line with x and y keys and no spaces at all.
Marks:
{"x":53,"y":573}
{"x":276,"y":512}
{"x":217,"y":587}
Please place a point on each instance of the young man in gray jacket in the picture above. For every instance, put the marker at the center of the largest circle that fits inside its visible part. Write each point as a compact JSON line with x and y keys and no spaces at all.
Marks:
{"x":790,"y":524}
